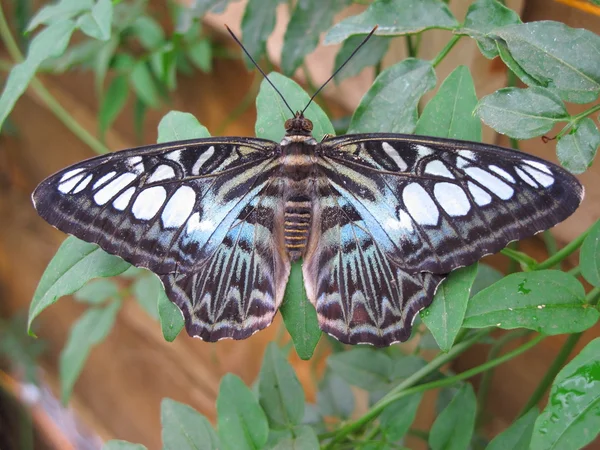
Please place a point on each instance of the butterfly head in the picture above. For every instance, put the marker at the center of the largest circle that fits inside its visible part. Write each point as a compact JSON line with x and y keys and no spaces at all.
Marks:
{"x":298,"y":126}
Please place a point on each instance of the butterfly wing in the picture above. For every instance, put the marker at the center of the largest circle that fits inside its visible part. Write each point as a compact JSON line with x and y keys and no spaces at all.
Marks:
{"x":409,"y":211}
{"x":197,"y":213}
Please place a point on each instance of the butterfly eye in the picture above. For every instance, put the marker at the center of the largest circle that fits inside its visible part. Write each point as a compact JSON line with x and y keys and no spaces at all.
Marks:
{"x":307,"y":125}
{"x":288,"y":124}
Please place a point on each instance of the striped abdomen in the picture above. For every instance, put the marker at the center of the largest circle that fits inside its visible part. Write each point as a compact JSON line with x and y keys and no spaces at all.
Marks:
{"x":297,"y":219}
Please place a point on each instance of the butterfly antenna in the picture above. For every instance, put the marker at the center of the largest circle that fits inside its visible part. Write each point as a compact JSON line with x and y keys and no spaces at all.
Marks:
{"x":259,"y":69}
{"x":341,"y":67}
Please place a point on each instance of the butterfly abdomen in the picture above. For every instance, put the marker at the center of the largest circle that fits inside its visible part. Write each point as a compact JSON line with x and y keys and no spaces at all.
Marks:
{"x":297,"y":220}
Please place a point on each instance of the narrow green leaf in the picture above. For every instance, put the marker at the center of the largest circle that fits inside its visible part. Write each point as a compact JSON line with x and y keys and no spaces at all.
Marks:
{"x":81,"y":53}
{"x":75,"y":263}
{"x":576,"y":151}
{"x":179,"y":126}
{"x":89,"y":330}
{"x":522,"y":113}
{"x":171,"y":317}
{"x":483,"y":18}
{"x":147,"y":289}
{"x":589,"y":258}
{"x":299,"y":315}
{"x":445,"y":316}
{"x":97,"y":291}
{"x":98,"y":21}
{"x":149,"y":32}
{"x":113,"y":102}
{"x":571,"y":420}
{"x":397,"y":417}
{"x":241,"y":421}
{"x":144,"y":85}
{"x":62,"y":10}
{"x":102,"y":61}
{"x":335,"y":397}
{"x":48,"y":43}
{"x":272,"y":112}
{"x":558,"y":56}
{"x":370,"y":56}
{"x":183,"y":428}
{"x":200,"y":54}
{"x":301,"y":438}
{"x":309,"y":19}
{"x":363,"y":367}
{"x":453,"y":428}
{"x":390,"y":105}
{"x":279,"y":391}
{"x":122,"y":445}
{"x":394,"y":19}
{"x":449,"y":113}
{"x":518,"y":435}
{"x":547,"y":301}
{"x":258,"y":23}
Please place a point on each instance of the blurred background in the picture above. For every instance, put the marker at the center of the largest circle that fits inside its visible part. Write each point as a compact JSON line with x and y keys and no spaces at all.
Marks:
{"x":122,"y":383}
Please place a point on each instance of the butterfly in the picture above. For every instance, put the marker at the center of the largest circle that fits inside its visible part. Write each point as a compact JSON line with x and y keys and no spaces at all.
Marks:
{"x":379,"y":221}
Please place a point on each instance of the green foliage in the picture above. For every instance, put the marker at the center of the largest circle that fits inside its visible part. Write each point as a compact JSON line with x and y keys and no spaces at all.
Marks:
{"x":129,"y":53}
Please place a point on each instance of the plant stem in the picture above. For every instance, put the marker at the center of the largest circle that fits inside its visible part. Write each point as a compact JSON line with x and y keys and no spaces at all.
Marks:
{"x":442,"y":54}
{"x":553,"y":370}
{"x":390,"y":398}
{"x":519,"y":257}
{"x":51,"y":103}
{"x":575,"y":119}
{"x":562,"y":253}
{"x":410,"y":48}
{"x":551,"y":246}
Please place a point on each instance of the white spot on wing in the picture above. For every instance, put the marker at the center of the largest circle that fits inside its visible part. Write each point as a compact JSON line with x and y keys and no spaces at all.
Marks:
{"x":437,"y":167}
{"x":540,"y":177}
{"x":148,"y":202}
{"x":104,"y":179}
{"x":452,"y":198}
{"x":420,"y":205}
{"x":468,"y":154}
{"x":405,"y":222}
{"x":195,"y":224}
{"x":393,"y":153}
{"x":70,"y":173}
{"x":526,"y":178}
{"x":202,"y":159}
{"x":174,"y":155}
{"x":503,"y":173}
{"x":538,"y":165}
{"x":423,"y":151}
{"x":123,"y":200}
{"x":66,"y":186}
{"x":113,"y":188}
{"x":492,"y":182}
{"x":481,"y":197}
{"x":133,"y":160}
{"x":162,"y":172}
{"x":179,"y":207}
{"x":461,"y":163}
{"x":81,"y":186}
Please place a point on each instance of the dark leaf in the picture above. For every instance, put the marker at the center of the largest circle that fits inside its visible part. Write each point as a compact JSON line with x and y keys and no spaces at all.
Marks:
{"x":369,"y":56}
{"x":576,"y":151}
{"x":518,"y":435}
{"x":453,"y":428}
{"x":589,"y":259}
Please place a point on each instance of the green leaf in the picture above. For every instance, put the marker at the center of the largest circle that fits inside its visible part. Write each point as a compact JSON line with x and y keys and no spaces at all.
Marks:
{"x":558,"y":56}
{"x":59,"y":11}
{"x":179,"y":126}
{"x":548,"y":301}
{"x":272,"y":112}
{"x":241,"y":421}
{"x":363,"y":367}
{"x":97,"y":22}
{"x":183,"y":428}
{"x":299,"y":315}
{"x":301,"y":438}
{"x":139,"y":114}
{"x":79,"y":54}
{"x":97,"y":291}
{"x":309,"y":19}
{"x":571,"y":419}
{"x":453,"y":428}
{"x":104,"y":56}
{"x":371,"y":55}
{"x":483,"y":18}
{"x":75,"y":263}
{"x":390,"y":105}
{"x":149,"y":32}
{"x":589,"y":258}
{"x":258,"y":23}
{"x":279,"y":391}
{"x":449,"y":113}
{"x":171,"y":317}
{"x":576,"y":151}
{"x":335,"y":397}
{"x":122,"y":445}
{"x":48,"y":43}
{"x":486,"y":276}
{"x":394,"y":19}
{"x":518,"y":435}
{"x":147,"y":290}
{"x":200,"y":54}
{"x":113,"y":102}
{"x":445,"y":316}
{"x":522,"y":113}
{"x":89,"y":330}
{"x":398,"y":416}
{"x":144,"y":85}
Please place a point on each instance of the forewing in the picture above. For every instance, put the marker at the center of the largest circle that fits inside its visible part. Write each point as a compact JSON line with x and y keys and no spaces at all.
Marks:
{"x":360,"y":294}
{"x":436,"y":204}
